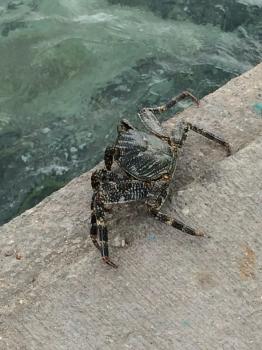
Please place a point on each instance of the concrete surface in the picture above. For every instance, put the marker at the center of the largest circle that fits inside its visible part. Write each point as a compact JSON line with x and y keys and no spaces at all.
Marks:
{"x":171,"y":290}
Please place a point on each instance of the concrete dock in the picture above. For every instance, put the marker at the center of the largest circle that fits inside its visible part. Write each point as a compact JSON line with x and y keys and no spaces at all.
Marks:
{"x":171,"y":290}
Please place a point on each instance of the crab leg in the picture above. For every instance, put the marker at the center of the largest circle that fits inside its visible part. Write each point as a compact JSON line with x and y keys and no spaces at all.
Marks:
{"x":111,"y":188}
{"x":179,"y":135}
{"x":93,"y":229}
{"x":98,"y":227}
{"x":103,"y":236}
{"x":151,"y":122}
{"x":175,"y":223}
{"x":109,"y":157}
{"x":209,"y":135}
{"x":154,"y":205}
{"x":103,"y":233}
{"x":173,"y":102}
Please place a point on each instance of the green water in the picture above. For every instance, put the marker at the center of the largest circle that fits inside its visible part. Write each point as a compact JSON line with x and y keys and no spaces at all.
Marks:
{"x":70,"y":69}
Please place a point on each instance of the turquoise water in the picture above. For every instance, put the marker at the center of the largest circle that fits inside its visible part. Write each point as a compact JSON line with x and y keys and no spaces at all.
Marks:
{"x":70,"y":69}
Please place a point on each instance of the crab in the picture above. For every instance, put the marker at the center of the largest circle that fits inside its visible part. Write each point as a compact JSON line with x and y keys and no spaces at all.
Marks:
{"x":148,"y":161}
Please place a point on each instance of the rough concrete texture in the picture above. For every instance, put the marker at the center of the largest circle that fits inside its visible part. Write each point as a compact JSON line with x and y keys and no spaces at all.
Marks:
{"x":171,"y":290}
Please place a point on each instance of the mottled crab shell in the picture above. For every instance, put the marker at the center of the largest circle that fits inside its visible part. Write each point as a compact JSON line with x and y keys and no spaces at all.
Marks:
{"x":144,"y":156}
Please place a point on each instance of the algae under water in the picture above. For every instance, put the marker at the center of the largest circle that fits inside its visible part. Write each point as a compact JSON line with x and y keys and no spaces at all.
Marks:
{"x":69,"y":70}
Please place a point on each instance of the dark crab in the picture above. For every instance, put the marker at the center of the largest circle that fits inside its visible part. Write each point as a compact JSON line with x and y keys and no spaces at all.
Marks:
{"x":148,"y":161}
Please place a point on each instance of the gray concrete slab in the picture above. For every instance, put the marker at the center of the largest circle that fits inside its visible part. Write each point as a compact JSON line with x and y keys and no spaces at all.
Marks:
{"x":171,"y":291}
